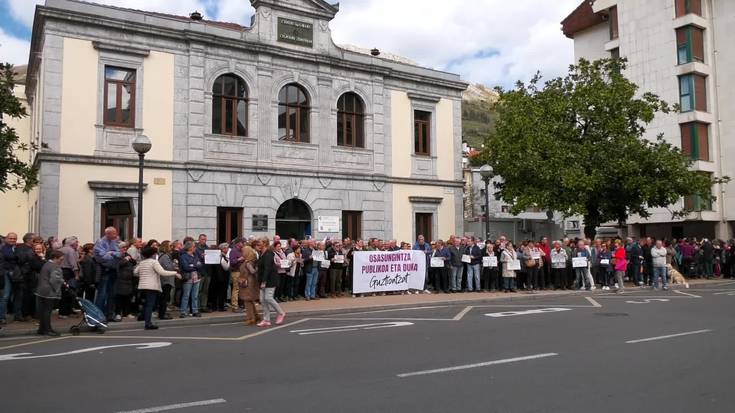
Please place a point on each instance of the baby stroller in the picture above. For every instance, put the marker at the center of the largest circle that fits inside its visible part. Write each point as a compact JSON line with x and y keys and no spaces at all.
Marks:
{"x":92,"y":317}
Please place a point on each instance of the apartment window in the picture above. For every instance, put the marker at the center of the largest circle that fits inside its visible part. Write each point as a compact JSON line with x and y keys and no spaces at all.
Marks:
{"x":119,"y":97}
{"x":293,"y":114}
{"x":424,"y":226}
{"x":351,"y":224}
{"x":692,"y":93}
{"x":690,"y":44}
{"x":422,"y":132}
{"x":229,"y":224}
{"x":350,"y":121}
{"x":695,"y":140}
{"x":615,"y":53}
{"x":613,"y":22}
{"x":684,"y":7}
{"x":505,"y":209}
{"x":229,"y":106}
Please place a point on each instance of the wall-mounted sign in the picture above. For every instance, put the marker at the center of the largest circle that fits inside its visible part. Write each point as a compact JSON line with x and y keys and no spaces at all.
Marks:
{"x":260,"y":223}
{"x":295,"y":32}
{"x":328,"y":225}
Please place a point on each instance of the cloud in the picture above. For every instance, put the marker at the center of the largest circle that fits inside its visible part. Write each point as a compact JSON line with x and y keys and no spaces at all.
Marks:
{"x":13,"y":50}
{"x":494,"y":42}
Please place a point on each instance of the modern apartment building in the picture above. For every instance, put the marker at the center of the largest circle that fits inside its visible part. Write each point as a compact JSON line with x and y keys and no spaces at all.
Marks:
{"x":255,"y":130}
{"x":681,"y":51}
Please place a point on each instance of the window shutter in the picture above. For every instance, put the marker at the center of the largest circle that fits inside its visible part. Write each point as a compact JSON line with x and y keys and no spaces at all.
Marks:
{"x":686,"y":139}
{"x":700,"y":93}
{"x":697,"y":46}
{"x":703,"y":140}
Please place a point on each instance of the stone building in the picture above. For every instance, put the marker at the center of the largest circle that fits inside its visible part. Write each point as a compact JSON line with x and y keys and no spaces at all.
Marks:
{"x":679,"y":50}
{"x":255,"y":130}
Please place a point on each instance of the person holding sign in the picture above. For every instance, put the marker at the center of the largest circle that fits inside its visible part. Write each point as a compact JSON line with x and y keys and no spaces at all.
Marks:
{"x":473,"y":268}
{"x":337,"y":263}
{"x":580,"y":263}
{"x":282,"y":266}
{"x":296,"y":262}
{"x":320,"y":257}
{"x":604,"y":268}
{"x":490,"y":267}
{"x":455,"y":279}
{"x":511,"y":264}
{"x":532,"y":254}
{"x":559,"y":266}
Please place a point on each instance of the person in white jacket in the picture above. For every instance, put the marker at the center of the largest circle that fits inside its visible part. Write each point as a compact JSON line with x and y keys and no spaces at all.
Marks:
{"x":658,"y":255}
{"x":150,"y":272}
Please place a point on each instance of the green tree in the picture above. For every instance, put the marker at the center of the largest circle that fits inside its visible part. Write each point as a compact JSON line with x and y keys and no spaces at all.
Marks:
{"x":574,"y":145}
{"x":14,"y":173}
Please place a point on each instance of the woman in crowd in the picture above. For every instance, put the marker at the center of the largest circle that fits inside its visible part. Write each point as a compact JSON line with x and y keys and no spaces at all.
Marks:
{"x":605,"y":270}
{"x":167,"y":281}
{"x":220,"y":280}
{"x":509,"y":276}
{"x":620,"y":264}
{"x":323,"y":270}
{"x":189,"y":266}
{"x":124,"y":287}
{"x":48,"y":292}
{"x":268,"y":279}
{"x":559,"y":260}
{"x":292,"y":281}
{"x":282,"y":266}
{"x":581,"y":281}
{"x":532,"y":256}
{"x":249,"y":288}
{"x":88,"y":273}
{"x":150,"y":272}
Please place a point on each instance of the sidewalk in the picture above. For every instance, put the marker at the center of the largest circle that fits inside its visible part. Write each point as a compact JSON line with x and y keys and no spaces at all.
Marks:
{"x":327,"y":306}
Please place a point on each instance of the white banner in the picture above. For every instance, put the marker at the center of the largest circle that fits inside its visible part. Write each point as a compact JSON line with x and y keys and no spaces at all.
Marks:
{"x":378,"y":271}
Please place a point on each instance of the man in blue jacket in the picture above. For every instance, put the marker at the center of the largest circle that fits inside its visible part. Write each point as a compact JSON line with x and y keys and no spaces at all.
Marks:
{"x":422,"y":245}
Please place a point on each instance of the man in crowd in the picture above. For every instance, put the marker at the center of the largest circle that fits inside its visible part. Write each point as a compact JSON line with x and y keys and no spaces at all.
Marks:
{"x":12,"y":278}
{"x":646,"y":245}
{"x":455,"y":278}
{"x":236,"y":259}
{"x":425,"y":247}
{"x":106,"y":253}
{"x":204,"y":274}
{"x":658,"y":263}
{"x":70,"y":271}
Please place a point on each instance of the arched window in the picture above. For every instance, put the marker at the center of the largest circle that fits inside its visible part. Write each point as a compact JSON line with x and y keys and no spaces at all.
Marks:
{"x":293,"y":114}
{"x":230,"y":106}
{"x":350,"y":121}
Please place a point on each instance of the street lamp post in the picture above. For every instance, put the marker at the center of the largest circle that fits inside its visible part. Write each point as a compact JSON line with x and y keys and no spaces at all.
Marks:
{"x":486,"y":171}
{"x":141,"y":145}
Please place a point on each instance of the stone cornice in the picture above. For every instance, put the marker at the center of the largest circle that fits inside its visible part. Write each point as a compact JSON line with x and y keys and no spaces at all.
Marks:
{"x":186,"y":34}
{"x":120,"y":48}
{"x":132,"y":162}
{"x":115,"y":186}
{"x":424,"y":200}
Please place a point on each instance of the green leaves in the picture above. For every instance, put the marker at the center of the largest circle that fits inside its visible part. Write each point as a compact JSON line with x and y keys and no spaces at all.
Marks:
{"x":575,"y":145}
{"x":14,"y":173}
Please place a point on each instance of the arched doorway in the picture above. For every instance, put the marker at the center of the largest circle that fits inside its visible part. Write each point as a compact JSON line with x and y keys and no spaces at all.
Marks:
{"x":293,"y":219}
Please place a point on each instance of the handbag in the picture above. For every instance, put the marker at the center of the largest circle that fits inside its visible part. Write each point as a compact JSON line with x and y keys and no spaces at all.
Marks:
{"x":531,"y":263}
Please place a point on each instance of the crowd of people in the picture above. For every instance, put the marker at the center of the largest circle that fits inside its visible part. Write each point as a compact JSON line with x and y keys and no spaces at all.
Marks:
{"x":137,"y":279}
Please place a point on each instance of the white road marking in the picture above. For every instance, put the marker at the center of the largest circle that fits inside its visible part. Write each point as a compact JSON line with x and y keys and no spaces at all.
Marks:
{"x":462,"y":313}
{"x":390,"y":310}
{"x":593,"y":302}
{"x":689,"y":333}
{"x":28,"y":356}
{"x":177,"y":406}
{"x":381,"y":319}
{"x":342,"y":329}
{"x":648,"y":301}
{"x":688,"y":294}
{"x":527,"y":312}
{"x":726,"y":293}
{"x":472,"y":366}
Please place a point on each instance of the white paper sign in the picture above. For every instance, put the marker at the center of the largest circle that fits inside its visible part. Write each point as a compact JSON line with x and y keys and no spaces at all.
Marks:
{"x":466,"y":258}
{"x":339,"y":259}
{"x":318,"y":255}
{"x":579,"y":262}
{"x":437,"y":262}
{"x":376,"y":271}
{"x":514,"y":265}
{"x":604,"y":262}
{"x":328,"y":224}
{"x":490,"y":261}
{"x":535,"y":255}
{"x":325,"y":264}
{"x":212,"y":256}
{"x":285,"y":264}
{"x":558,"y":259}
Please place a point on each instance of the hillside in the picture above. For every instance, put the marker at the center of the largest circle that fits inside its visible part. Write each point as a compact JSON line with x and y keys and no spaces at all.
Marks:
{"x":478,"y":114}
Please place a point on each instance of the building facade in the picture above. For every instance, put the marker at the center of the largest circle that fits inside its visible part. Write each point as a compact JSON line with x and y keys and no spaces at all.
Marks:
{"x":679,"y":50}
{"x":255,"y":130}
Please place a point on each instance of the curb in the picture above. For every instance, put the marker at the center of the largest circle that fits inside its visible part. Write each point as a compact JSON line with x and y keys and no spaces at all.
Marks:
{"x":233,"y":318}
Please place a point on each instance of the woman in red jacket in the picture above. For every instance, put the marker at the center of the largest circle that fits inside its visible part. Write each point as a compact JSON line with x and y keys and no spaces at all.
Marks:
{"x":620,"y":265}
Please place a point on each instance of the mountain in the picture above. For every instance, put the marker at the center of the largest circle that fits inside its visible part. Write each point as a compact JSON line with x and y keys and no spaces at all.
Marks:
{"x":478,"y":113}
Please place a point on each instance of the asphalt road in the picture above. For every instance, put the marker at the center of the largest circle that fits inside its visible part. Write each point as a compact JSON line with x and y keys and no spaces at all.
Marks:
{"x":641,"y":352}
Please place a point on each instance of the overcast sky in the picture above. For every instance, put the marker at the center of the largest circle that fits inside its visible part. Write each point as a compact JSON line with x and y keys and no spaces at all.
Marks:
{"x":494,"y":42}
